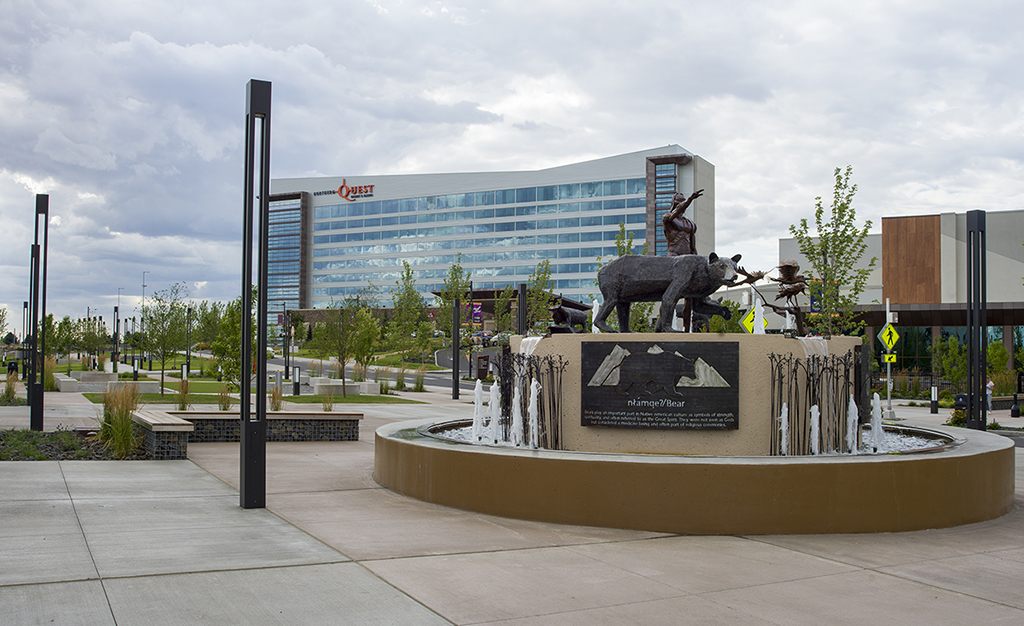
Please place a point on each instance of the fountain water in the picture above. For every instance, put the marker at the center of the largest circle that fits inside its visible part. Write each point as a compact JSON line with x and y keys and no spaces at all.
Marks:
{"x":784,"y":430}
{"x":531,"y":411}
{"x":478,"y":411}
{"x":494,"y":404}
{"x":815,"y":430}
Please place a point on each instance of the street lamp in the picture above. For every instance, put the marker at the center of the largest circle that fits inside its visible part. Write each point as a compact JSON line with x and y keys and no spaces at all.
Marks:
{"x":188,"y":339}
{"x":142,"y":313}
{"x":39,"y":257}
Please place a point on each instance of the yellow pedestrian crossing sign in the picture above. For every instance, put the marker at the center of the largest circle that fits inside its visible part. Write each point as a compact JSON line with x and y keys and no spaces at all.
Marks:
{"x":748,"y":321}
{"x":889,"y":358}
{"x":889,"y":336}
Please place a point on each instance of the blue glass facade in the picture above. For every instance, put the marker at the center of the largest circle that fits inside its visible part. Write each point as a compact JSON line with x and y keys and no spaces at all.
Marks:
{"x":501,"y":234}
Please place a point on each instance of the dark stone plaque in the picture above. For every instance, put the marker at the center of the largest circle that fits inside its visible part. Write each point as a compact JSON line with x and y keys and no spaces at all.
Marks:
{"x":661,"y":384}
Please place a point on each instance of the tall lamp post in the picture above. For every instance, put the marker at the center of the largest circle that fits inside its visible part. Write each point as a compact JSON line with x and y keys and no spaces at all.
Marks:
{"x":188,"y":339}
{"x":256,"y":213}
{"x":35,"y":385}
{"x":142,"y":313}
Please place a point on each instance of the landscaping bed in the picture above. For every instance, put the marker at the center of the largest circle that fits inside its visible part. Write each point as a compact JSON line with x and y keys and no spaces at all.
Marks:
{"x":61,"y":445}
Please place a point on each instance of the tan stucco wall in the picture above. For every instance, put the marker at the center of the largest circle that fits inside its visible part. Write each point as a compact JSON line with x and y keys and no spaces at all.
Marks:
{"x":752,"y":438}
{"x":706,"y":495}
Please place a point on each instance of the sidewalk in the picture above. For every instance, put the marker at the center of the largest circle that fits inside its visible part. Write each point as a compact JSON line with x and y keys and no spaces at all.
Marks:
{"x":96,"y":542}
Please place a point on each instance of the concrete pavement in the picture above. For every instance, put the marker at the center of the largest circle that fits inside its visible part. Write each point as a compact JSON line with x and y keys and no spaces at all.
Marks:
{"x":96,"y":542}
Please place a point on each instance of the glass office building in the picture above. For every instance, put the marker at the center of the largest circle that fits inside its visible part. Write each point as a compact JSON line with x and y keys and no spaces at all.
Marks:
{"x":331,"y":237}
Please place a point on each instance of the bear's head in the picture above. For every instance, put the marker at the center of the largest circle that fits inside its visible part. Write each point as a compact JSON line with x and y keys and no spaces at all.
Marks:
{"x":724,"y":269}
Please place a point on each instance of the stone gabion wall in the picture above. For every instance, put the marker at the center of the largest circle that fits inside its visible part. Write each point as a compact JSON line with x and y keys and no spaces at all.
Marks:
{"x":164,"y":446}
{"x":209,"y":430}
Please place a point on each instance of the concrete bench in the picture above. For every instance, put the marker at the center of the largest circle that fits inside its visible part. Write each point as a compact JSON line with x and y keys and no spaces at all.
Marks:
{"x":333,"y":387}
{"x":65,"y":383}
{"x":165,"y":436}
{"x":219,"y":426}
{"x":93,"y":377}
{"x":145,"y":385}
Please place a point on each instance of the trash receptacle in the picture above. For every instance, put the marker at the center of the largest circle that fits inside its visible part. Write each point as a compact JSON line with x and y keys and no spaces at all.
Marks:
{"x":960,"y":402}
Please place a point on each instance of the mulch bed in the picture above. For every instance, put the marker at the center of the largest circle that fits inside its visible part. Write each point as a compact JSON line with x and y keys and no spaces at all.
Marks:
{"x":52,"y":446}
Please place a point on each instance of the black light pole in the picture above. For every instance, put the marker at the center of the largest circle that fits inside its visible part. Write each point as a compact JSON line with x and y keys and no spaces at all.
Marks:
{"x":115,"y":354}
{"x":188,"y":339}
{"x":287,"y":338}
{"x":253,"y":453}
{"x":24,"y":336}
{"x":977,"y":322}
{"x":455,"y":349}
{"x":35,"y":394}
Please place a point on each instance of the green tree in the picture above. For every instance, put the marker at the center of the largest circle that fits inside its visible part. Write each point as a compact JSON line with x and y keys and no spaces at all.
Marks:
{"x":719,"y":324}
{"x":365,"y":334}
{"x":206,"y":321}
{"x":64,"y":339}
{"x":539,"y":299}
{"x":456,"y":285}
{"x":334,"y":336}
{"x":165,"y":325}
{"x":953,"y":359}
{"x":227,"y":347}
{"x":833,"y":254}
{"x":503,"y":310}
{"x":996,"y":357}
{"x":408,"y":312}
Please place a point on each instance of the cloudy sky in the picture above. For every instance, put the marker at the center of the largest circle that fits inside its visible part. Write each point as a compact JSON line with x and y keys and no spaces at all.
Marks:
{"x":130,"y":114}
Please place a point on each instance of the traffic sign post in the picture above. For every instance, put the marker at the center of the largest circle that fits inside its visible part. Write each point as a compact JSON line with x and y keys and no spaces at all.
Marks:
{"x":888,"y":336}
{"x":748,"y":321}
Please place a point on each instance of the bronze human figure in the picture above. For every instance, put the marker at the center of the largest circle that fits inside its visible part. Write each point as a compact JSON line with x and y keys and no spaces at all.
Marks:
{"x":681,"y":234}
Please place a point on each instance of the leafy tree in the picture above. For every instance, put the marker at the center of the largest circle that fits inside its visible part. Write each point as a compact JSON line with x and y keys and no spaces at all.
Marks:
{"x":365,"y":334}
{"x":335,"y":336}
{"x":456,"y":285}
{"x":503,"y":310}
{"x":165,"y":325}
{"x":996,"y":357}
{"x":91,"y":335}
{"x":227,"y":347}
{"x":833,"y":254}
{"x":953,"y":358}
{"x":538,"y":296}
{"x":408,"y":312}
{"x":206,"y":321}
{"x":64,"y":339}
{"x":719,"y":324}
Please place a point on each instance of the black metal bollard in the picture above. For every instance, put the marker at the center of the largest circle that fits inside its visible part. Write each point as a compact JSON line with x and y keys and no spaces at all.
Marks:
{"x":1015,"y":409}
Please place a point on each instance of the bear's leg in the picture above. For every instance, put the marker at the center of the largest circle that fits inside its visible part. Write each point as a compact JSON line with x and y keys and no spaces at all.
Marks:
{"x":622,"y":309}
{"x":668,"y":309}
{"x":603,"y":313}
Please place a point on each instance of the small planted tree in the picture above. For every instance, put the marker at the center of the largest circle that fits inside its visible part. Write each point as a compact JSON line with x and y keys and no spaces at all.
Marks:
{"x":165,"y":325}
{"x":539,"y":299}
{"x":227,"y":348}
{"x":833,"y":251}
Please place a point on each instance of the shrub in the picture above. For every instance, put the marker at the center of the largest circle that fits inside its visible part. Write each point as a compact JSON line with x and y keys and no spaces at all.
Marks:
{"x":957,"y":418}
{"x":994,"y":426}
{"x":358,"y":373}
{"x":400,"y":379}
{"x":224,"y":399}
{"x":946,"y":394}
{"x":314,"y":370}
{"x":181,"y":396}
{"x":116,"y":430}
{"x":49,"y":367}
{"x":101,"y":360}
{"x":327,"y":402}
{"x":418,"y":384}
{"x":276,"y":398}
{"x":10,"y":388}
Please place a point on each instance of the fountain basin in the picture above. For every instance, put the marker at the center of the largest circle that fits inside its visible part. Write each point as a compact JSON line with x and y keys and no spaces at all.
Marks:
{"x":969,"y":480}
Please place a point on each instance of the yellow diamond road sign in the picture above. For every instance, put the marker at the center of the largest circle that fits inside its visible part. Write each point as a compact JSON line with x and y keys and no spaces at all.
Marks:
{"x":889,"y":336}
{"x":748,"y":322}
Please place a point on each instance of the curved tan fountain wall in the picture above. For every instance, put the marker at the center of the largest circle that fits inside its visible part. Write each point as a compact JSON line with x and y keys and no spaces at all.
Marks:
{"x":706,"y":495}
{"x":733,"y":490}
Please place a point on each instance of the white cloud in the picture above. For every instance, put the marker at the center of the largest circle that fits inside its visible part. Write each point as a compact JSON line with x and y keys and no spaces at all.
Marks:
{"x":130,"y":115}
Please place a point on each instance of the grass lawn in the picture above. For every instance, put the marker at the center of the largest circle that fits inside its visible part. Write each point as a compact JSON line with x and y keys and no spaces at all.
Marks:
{"x":196,"y":385}
{"x":352,"y":399}
{"x":209,"y":398}
{"x":167,"y":398}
